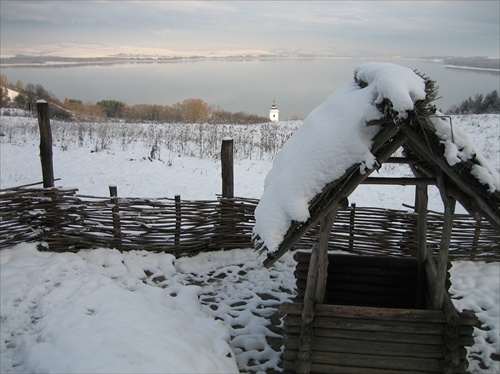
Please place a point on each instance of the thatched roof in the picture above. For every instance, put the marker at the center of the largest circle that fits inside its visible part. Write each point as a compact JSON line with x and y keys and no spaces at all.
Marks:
{"x":421,"y":136}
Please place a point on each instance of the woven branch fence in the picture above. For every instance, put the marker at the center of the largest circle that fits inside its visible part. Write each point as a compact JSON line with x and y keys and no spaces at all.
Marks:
{"x":66,"y":221}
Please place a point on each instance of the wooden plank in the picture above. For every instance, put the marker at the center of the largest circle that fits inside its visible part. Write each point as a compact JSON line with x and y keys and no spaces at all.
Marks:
{"x":335,"y":345}
{"x":428,"y":365}
{"x":366,"y":289}
{"x":289,"y":367}
{"x":398,"y":282}
{"x":374,"y":272}
{"x":347,"y":298}
{"x":373,"y":325}
{"x":362,"y":261}
{"x":327,"y":369}
{"x":378,"y":314}
{"x":431,"y":339}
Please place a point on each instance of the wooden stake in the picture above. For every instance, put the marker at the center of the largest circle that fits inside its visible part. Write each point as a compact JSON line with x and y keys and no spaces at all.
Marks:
{"x":324,"y":238}
{"x":113,"y":193}
{"x":312,"y":283}
{"x":227,"y":168}
{"x":45,"y":143}
{"x":444,"y":245}
{"x":177,"y":236}
{"x":421,"y":204}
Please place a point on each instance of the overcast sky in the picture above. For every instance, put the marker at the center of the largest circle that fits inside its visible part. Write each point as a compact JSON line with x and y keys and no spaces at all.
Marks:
{"x":353,"y":28}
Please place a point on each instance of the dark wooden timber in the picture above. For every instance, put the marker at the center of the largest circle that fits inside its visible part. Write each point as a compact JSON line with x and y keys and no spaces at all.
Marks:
{"x":45,"y":143}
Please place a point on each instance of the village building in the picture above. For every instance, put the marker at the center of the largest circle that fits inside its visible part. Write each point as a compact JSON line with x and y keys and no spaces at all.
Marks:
{"x":274,"y":113}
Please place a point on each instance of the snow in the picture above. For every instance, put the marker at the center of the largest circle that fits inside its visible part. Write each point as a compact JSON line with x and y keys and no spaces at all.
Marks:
{"x":80,"y":311}
{"x":394,"y":82}
{"x":141,"y":312}
{"x":97,"y":311}
{"x":333,"y":137}
{"x":459,"y":148}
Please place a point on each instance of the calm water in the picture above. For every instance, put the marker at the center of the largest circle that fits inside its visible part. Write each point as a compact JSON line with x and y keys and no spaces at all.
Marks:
{"x":298,"y":86}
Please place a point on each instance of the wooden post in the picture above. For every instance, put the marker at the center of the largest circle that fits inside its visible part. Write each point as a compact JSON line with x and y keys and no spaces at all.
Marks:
{"x":352,"y":222}
{"x":306,"y":328}
{"x":421,"y":205}
{"x":475,"y":240}
{"x":113,"y":193}
{"x":45,"y":143}
{"x":177,"y":236}
{"x":312,"y":283}
{"x":444,"y":245}
{"x":227,"y":168}
{"x":324,"y":237}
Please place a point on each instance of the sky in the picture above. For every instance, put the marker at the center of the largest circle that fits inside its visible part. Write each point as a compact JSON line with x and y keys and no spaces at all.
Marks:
{"x":341,"y":28}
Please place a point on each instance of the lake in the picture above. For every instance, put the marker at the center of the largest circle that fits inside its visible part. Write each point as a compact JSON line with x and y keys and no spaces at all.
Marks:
{"x":297,"y":85}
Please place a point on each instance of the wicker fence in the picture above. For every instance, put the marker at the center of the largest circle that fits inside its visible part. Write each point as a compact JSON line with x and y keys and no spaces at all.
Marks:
{"x":66,"y":221}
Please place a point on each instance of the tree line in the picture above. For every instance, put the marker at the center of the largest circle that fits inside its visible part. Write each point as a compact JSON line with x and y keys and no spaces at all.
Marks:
{"x":489,"y":103}
{"x":188,"y":111}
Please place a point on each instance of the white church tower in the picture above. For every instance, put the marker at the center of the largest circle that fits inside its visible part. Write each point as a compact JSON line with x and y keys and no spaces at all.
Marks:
{"x":274,"y":113}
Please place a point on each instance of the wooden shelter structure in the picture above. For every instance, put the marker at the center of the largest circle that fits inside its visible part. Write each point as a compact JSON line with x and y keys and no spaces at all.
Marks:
{"x":359,"y":314}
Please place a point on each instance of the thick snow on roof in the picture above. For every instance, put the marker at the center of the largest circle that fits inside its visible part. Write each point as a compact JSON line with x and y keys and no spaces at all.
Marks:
{"x":459,"y":148}
{"x":333,"y":137}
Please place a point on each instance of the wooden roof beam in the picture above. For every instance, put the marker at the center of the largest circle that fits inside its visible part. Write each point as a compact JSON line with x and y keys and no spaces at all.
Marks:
{"x":383,"y":150}
{"x":426,"y":153}
{"x":401,"y":160}
{"x":400,"y":181}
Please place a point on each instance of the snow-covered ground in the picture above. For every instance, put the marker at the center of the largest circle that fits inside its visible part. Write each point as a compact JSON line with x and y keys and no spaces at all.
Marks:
{"x":106,"y":311}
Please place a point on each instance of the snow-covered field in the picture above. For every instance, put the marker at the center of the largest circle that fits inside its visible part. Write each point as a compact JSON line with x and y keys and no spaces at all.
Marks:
{"x":106,"y":311}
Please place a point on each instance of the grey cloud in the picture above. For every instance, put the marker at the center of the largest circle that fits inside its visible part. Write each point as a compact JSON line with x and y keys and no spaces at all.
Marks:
{"x":387,"y":26}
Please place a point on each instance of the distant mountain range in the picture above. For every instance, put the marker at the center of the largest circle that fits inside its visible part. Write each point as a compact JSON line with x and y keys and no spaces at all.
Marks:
{"x":76,"y":54}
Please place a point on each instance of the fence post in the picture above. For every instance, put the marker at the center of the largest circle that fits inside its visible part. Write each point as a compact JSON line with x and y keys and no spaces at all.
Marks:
{"x":113,"y":193}
{"x":177,"y":236}
{"x":475,"y":239}
{"x":227,"y":168}
{"x":352,"y":222}
{"x":45,"y":143}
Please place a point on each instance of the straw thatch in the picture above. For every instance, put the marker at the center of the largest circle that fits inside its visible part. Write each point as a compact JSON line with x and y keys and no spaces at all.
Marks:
{"x":418,"y":138}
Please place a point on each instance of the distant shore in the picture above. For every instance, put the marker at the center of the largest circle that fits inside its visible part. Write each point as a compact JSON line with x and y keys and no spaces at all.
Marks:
{"x":471,"y":63}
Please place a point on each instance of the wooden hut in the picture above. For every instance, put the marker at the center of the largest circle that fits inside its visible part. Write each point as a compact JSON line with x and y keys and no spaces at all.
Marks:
{"x":371,"y":314}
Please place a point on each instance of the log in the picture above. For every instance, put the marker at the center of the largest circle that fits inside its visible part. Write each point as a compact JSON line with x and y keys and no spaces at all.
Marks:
{"x":289,"y":367}
{"x":323,"y":270}
{"x":312,"y":282}
{"x":421,"y":204}
{"x":377,"y":314}
{"x":394,"y":337}
{"x":442,"y":262}
{"x":399,"y":181}
{"x":426,"y":365}
{"x":227,"y":168}
{"x":393,"y":349}
{"x":178,"y":220}
{"x":451,"y":314}
{"x":117,"y":232}
{"x":45,"y":143}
